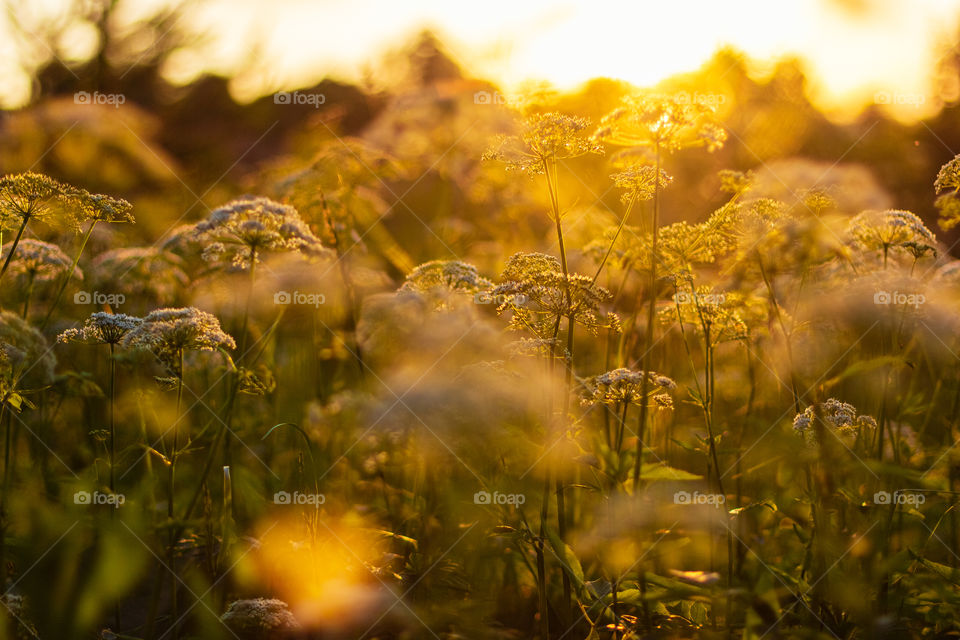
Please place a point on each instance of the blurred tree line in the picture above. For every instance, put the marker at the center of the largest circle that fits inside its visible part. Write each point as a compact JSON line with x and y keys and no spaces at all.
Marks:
{"x":172,"y":149}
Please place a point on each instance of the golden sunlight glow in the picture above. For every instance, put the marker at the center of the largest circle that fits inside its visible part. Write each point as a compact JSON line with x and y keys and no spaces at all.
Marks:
{"x":852,"y":49}
{"x":855,"y":51}
{"x":320,"y":574}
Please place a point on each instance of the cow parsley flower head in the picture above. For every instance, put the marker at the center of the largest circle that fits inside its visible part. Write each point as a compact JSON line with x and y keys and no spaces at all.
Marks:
{"x":170,"y":332}
{"x":625,"y":386}
{"x":27,"y":195}
{"x":886,"y":230}
{"x":948,"y":204}
{"x":96,"y":207}
{"x":34,"y":196}
{"x":726,"y":315}
{"x":246,"y":228}
{"x":661,"y":121}
{"x":27,"y":350}
{"x":949,"y":176}
{"x":839,"y":417}
{"x":544,"y":137}
{"x":102,"y":328}
{"x":260,"y":617}
{"x":735,"y":182}
{"x":36,"y":261}
{"x":638,"y":181}
{"x":537,"y":292}
{"x":682,"y":246}
{"x":452,"y":275}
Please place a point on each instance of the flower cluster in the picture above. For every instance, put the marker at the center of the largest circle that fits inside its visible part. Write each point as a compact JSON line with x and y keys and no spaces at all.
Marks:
{"x":625,"y":386}
{"x":451,"y":275}
{"x":36,"y":261}
{"x":723,"y":315}
{"x":894,"y":229}
{"x":537,"y":293}
{"x":638,"y":181}
{"x":29,"y":355}
{"x":96,"y":207}
{"x":545,"y":137}
{"x":27,"y":195}
{"x":682,"y":245}
{"x":734,"y":182}
{"x":34,"y":196}
{"x":242,"y":230}
{"x":169,"y":332}
{"x":948,"y":180}
{"x":259,"y":617}
{"x":663,"y":122}
{"x":102,"y":328}
{"x":839,"y":417}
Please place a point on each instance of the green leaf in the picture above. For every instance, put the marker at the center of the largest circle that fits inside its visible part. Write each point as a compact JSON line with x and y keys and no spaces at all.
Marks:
{"x":634,"y":597}
{"x":696,"y":612}
{"x":770,"y":504}
{"x":946,"y":572}
{"x":674,"y":586}
{"x":685,"y":445}
{"x":568,"y":559}
{"x":864,"y":366}
{"x":665,"y":472}
{"x":396,"y":536}
{"x":695,"y":395}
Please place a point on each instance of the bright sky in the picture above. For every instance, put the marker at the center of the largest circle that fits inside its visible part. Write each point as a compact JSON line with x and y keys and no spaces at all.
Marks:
{"x":854,"y":48}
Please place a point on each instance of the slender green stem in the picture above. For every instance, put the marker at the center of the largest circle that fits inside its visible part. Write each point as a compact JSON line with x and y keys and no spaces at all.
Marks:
{"x":16,"y":241}
{"x":5,"y":420}
{"x":550,"y":171}
{"x":113,"y":422}
{"x":27,"y":295}
{"x":646,"y":357}
{"x":616,"y":236}
{"x":541,"y":560}
{"x":174,"y":534}
{"x":113,"y":452}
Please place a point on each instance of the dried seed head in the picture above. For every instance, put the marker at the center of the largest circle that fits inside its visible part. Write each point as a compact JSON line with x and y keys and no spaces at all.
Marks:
{"x":170,"y":332}
{"x":625,"y":386}
{"x":241,"y":231}
{"x":544,"y":137}
{"x":102,"y":328}
{"x":892,"y":229}
{"x":452,"y":275}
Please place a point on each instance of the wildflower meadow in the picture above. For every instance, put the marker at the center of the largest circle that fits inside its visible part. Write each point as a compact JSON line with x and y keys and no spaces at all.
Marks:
{"x":415,"y":360}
